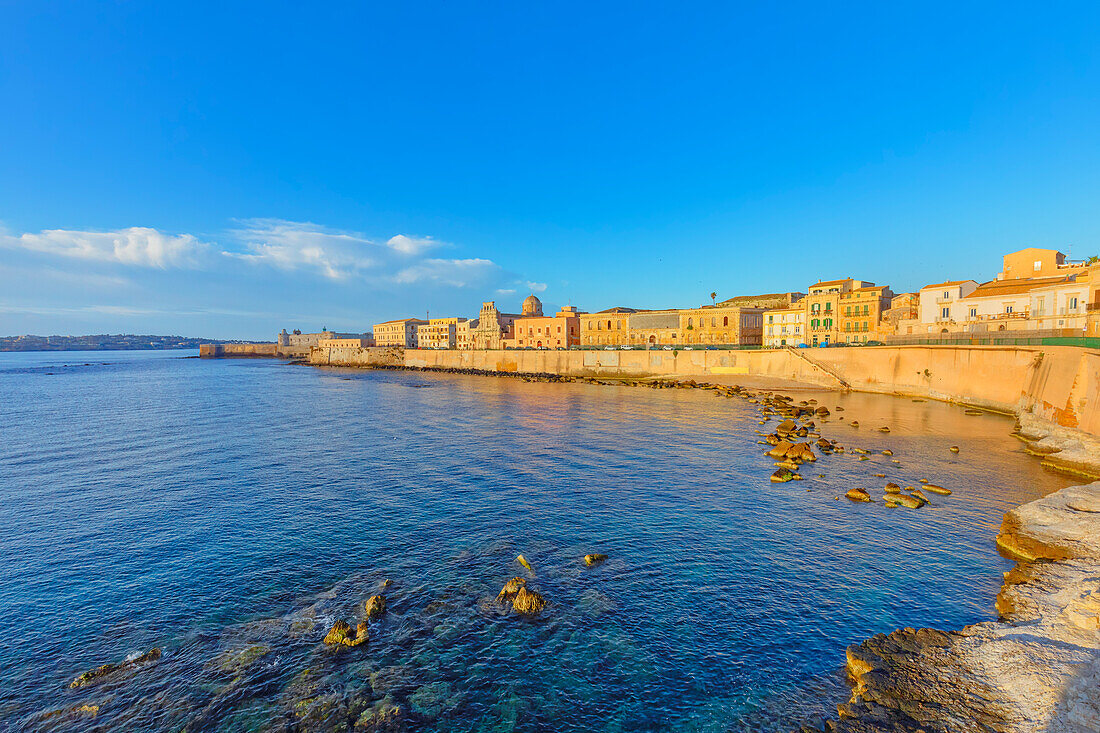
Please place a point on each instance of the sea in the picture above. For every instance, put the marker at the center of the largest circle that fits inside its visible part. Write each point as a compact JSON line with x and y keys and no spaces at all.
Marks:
{"x":229,"y":512}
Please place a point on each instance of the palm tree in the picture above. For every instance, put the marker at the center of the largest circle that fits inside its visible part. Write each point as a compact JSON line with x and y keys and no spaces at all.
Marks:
{"x":712,"y":297}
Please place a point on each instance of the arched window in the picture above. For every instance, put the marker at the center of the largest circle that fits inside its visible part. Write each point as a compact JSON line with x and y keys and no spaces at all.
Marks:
{"x":609,"y":325}
{"x":713,"y":321}
{"x":725,"y":321}
{"x":689,"y":323}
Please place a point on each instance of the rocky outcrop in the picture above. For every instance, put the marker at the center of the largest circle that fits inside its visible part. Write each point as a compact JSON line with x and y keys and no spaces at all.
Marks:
{"x":376,"y":606}
{"x":104,"y":671}
{"x":1062,"y":449}
{"x":1035,"y":670}
{"x":594,"y":558}
{"x":524,"y":600}
{"x":341,"y":634}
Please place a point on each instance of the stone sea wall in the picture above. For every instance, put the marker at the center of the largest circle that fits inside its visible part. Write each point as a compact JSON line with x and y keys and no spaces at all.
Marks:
{"x":1057,"y":384}
{"x":1035,"y":670}
{"x":348,"y":356}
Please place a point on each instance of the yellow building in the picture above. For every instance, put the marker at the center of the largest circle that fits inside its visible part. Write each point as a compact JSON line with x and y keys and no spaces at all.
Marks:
{"x":1036,"y":262}
{"x":822,"y":304}
{"x":438,"y":333}
{"x":721,"y":325}
{"x":561,"y":331}
{"x":401,"y":332}
{"x":609,"y":327}
{"x":1092,"y":307}
{"x":861,"y":312}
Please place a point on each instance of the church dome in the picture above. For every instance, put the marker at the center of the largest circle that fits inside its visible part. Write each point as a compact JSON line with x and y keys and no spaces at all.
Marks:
{"x":532,"y":306}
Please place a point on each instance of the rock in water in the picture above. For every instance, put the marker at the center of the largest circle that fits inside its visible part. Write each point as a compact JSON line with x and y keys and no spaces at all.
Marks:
{"x":523,"y":561}
{"x":913,"y":502}
{"x":892,"y":488}
{"x":510,"y":589}
{"x":528,"y":602}
{"x":94,"y":675}
{"x":783,"y":475}
{"x":860,"y":495}
{"x":594,"y":559}
{"x":376,"y":606}
{"x":341,"y":633}
{"x":954,"y":449}
{"x":938,"y":490}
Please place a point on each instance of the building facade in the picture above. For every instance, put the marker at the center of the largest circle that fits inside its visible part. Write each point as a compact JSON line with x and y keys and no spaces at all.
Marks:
{"x":354,"y":342}
{"x":861,"y":311}
{"x":438,"y":333}
{"x":721,"y":325}
{"x":785,"y":327}
{"x":822,"y":303}
{"x":1034,"y":262}
{"x":402,"y":332}
{"x":493,"y":328}
{"x":561,"y":331}
{"x":302,"y":340}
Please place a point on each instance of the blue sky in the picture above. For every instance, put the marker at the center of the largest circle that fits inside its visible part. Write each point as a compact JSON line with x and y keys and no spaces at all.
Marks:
{"x":229,"y":169}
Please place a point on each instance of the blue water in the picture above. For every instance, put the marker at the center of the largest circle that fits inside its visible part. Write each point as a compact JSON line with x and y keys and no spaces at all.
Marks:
{"x":208,"y":507}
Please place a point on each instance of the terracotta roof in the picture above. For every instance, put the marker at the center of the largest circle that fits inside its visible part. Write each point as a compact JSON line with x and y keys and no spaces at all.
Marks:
{"x":1016,"y":286}
{"x":819,"y":283}
{"x":949,"y":284}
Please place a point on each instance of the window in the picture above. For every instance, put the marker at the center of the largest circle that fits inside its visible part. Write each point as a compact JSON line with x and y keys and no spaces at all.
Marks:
{"x":713,"y":321}
{"x":1038,"y":265}
{"x":726,"y":319}
{"x":1072,"y":303}
{"x":609,"y":325}
{"x":973,"y":312}
{"x":1008,"y":309}
{"x":828,"y":323}
{"x":945,"y":312}
{"x":946,"y":294}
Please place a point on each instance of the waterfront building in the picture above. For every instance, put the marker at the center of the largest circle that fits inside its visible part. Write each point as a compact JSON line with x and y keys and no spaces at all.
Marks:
{"x":1027,"y":304}
{"x":350,"y":342}
{"x":561,"y":331}
{"x":609,"y":327}
{"x":722,"y":325}
{"x":297,"y":339}
{"x":401,"y":332}
{"x":438,"y":333}
{"x":1034,"y":262}
{"x":464,"y":334}
{"x":941,"y":307}
{"x":903,"y":315}
{"x":785,"y":326}
{"x":1092,"y":308}
{"x":493,"y":328}
{"x":860,"y":313}
{"x":822,"y":303}
{"x":766,"y":301}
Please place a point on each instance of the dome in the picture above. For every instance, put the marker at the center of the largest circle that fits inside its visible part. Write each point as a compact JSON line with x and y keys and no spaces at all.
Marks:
{"x":532,"y":306}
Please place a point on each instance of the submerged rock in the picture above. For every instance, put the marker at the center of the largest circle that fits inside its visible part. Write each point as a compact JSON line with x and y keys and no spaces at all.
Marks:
{"x":376,"y":606}
{"x":938,"y":490}
{"x":912,"y":502}
{"x":954,"y":449}
{"x":859,"y":495}
{"x":523,"y":561}
{"x":594,"y":558}
{"x":892,"y":488}
{"x":106,"y":670}
{"x":783,"y":475}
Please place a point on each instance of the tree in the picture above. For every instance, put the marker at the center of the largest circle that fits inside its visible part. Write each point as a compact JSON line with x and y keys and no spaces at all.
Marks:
{"x":1092,"y":260}
{"x":712,"y":297}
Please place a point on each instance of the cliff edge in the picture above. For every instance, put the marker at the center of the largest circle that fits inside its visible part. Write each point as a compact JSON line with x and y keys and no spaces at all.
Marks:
{"x":1037,"y":670}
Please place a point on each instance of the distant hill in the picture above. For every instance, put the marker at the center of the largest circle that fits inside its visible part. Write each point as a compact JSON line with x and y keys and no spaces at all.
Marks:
{"x":102,"y":342}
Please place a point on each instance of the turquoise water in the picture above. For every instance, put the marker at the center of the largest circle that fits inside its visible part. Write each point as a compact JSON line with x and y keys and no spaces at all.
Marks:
{"x":210,"y":507}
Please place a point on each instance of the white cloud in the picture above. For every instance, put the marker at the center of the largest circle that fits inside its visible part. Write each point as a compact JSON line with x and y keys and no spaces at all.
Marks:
{"x":456,"y":273}
{"x":141,"y":246}
{"x":411,"y":245}
{"x":535,"y":287}
{"x":290,"y":245}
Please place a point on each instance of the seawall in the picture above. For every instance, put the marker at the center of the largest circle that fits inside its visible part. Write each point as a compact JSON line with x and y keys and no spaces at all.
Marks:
{"x":1056,"y":384}
{"x":223,"y":351}
{"x":347,"y":356}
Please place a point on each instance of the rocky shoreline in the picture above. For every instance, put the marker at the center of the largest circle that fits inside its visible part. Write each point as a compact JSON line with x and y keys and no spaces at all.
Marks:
{"x":1036,"y":669}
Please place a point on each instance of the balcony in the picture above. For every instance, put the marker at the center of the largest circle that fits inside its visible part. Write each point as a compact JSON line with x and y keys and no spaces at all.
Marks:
{"x":1090,"y":307}
{"x":942,"y":299}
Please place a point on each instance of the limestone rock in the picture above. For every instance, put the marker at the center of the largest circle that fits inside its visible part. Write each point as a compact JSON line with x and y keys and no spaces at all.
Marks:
{"x":859,"y":495}
{"x":594,"y":558}
{"x":783,"y":475}
{"x":106,"y":670}
{"x":523,"y":561}
{"x":528,"y":602}
{"x":341,"y":634}
{"x":937,"y":489}
{"x":376,"y":606}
